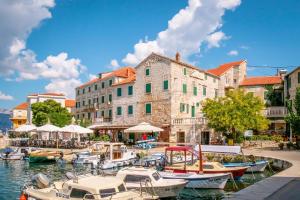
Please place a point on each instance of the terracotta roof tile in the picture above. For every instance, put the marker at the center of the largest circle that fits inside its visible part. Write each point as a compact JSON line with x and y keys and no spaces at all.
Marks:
{"x":22,"y":106}
{"x":261,"y":80}
{"x":124,"y":72}
{"x":224,"y":67}
{"x":70,"y":103}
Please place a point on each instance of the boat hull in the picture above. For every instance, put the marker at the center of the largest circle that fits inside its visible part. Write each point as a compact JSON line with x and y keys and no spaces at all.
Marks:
{"x":217,"y":181}
{"x":259,"y":166}
{"x":41,"y":159}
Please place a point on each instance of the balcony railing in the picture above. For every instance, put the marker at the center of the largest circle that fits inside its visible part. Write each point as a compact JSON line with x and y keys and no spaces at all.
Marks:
{"x":189,"y":121}
{"x":276,"y":111}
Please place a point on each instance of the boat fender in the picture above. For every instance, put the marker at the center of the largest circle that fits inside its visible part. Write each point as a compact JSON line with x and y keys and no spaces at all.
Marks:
{"x":40,"y":180}
{"x":70,"y":175}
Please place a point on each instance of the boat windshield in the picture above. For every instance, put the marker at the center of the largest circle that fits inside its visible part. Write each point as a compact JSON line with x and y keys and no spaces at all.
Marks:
{"x":156,"y":176}
{"x":107,"y":192}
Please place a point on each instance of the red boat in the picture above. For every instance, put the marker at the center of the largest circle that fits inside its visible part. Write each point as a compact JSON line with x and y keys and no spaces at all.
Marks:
{"x":198,"y":166}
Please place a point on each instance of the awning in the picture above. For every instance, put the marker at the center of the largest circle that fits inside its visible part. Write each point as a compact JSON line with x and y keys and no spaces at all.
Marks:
{"x":143,"y":128}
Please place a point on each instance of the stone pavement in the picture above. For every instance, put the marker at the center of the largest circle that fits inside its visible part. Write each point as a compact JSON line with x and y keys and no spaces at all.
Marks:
{"x":284,"y":185}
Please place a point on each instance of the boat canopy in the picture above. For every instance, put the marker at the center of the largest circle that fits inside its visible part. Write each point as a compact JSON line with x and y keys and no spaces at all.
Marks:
{"x":219,"y":149}
{"x":179,"y":148}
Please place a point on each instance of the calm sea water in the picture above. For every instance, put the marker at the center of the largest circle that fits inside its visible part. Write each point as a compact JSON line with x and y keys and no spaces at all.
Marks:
{"x":14,"y":174}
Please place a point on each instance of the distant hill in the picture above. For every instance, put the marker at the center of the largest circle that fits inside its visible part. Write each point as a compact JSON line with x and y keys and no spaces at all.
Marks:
{"x":5,"y":122}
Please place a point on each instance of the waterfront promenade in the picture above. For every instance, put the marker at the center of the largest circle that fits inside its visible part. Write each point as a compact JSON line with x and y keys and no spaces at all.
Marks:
{"x":284,"y":185}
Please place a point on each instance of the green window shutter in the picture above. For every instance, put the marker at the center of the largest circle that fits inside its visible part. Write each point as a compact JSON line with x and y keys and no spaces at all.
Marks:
{"x":195,"y":91}
{"x":109,"y":113}
{"x":119,"y":92}
{"x":119,"y":110}
{"x":130,"y":90}
{"x":102,"y":99}
{"x":193,"y":111}
{"x":130,"y":110}
{"x":147,"y":72}
{"x":110,"y":97}
{"x":110,"y":82}
{"x":197,"y":104}
{"x":184,"y":88}
{"x":184,"y":71}
{"x":148,"y":108}
{"x":182,"y":107}
{"x":148,"y":88}
{"x":204,"y":91}
{"x":166,"y":84}
{"x":298,"y":77}
{"x":95,"y":87}
{"x":103,"y":84}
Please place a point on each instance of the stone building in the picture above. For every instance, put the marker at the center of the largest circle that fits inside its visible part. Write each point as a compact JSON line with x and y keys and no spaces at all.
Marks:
{"x":291,"y":83}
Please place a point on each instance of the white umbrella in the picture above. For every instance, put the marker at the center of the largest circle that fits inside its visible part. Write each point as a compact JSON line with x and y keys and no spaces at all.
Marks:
{"x":48,"y":128}
{"x":143,"y":128}
{"x":26,"y":128}
{"x":73,"y":128}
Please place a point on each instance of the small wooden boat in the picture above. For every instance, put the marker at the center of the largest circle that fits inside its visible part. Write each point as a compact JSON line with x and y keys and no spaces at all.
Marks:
{"x":199,"y":166}
{"x":151,"y":181}
{"x":43,"y":156}
{"x":81,"y":187}
{"x":257,"y":166}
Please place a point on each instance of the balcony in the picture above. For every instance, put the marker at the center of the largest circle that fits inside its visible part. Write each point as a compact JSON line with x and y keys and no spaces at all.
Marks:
{"x":275,"y":111}
{"x":189,"y":121}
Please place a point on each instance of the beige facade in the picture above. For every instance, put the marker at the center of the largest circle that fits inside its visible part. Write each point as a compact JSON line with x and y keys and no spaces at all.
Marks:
{"x":292,"y":82}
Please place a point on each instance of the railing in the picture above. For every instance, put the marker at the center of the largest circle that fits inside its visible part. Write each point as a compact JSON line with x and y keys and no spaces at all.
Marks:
{"x":189,"y":121}
{"x":276,"y":111}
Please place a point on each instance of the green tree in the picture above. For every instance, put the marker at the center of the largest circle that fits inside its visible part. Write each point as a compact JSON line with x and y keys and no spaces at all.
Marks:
{"x":52,"y":110}
{"x":273,"y":96}
{"x":235,"y":113}
{"x":293,"y":116}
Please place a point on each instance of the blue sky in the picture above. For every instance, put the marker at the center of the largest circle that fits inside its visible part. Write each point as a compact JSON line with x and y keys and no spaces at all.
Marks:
{"x":92,"y":33}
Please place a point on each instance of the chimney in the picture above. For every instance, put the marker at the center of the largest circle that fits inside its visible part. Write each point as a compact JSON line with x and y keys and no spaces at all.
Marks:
{"x":177,"y":57}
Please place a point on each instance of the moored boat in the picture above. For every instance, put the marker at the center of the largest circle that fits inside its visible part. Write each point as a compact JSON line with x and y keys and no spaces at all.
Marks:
{"x":150,"y":181}
{"x":81,"y":187}
{"x":43,"y":156}
{"x":257,"y":166}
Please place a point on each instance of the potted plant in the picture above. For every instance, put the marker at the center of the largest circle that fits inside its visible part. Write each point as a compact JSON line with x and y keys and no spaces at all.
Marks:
{"x":280,"y":145}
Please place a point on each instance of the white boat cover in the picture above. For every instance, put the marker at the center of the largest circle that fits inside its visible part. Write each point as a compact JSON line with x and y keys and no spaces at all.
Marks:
{"x":219,"y":149}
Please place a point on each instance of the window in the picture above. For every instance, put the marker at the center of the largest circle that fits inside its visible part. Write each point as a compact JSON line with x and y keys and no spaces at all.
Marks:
{"x":78,"y":193}
{"x":90,"y":101}
{"x":216,"y":93}
{"x":130,"y":110}
{"x":184,"y":88}
{"x":107,"y":192}
{"x":83,"y":103}
{"x":102,"y":113}
{"x":234,"y":81}
{"x":89,"y":115}
{"x":184,"y":71}
{"x":103,"y":84}
{"x":135,"y":178}
{"x":102,"y":99}
{"x":148,"y":88}
{"x":195,"y":91}
{"x":110,"y":97}
{"x":95,"y":87}
{"x":147,"y":71}
{"x":119,"y":110}
{"x":182,"y":107}
{"x":83,"y":90}
{"x":166,"y":84}
{"x":78,"y":92}
{"x":94,"y":100}
{"x":119,"y":92}
{"x":96,"y":114}
{"x":110,"y":82}
{"x":289,"y":84}
{"x":204,"y":90}
{"x":109,"y":113}
{"x":148,"y":108}
{"x":97,"y":100}
{"x":205,"y":76}
{"x":130,"y":90}
{"x":197,"y":104}
{"x":156,"y":176}
{"x":298,"y":77}
{"x":89,"y":89}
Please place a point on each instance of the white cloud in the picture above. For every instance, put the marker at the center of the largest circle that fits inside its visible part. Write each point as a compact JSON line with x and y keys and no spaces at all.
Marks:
{"x":244,"y":47}
{"x":92,"y":76}
{"x":17,"y":63}
{"x":114,"y":64}
{"x":198,"y":22}
{"x":214,"y":39}
{"x":5,"y":97}
{"x":233,"y":53}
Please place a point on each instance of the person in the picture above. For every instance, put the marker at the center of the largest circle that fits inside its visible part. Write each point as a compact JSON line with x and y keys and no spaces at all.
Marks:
{"x":144,"y":136}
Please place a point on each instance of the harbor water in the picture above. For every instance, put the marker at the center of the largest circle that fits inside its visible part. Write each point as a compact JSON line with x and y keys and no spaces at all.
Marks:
{"x":14,"y":174}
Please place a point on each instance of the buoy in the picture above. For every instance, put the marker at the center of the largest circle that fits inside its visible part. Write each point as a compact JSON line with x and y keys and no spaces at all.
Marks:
{"x":23,"y":197}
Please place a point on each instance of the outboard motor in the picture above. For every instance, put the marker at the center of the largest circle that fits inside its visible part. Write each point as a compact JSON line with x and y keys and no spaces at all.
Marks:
{"x":40,"y":180}
{"x":70,"y":176}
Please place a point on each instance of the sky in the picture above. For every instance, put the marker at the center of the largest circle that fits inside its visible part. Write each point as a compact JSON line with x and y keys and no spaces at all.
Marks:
{"x":54,"y":46}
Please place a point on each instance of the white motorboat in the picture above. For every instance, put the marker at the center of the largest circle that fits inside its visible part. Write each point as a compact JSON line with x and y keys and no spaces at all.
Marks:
{"x":203,"y":181}
{"x":257,"y":166}
{"x":16,"y":154}
{"x":117,"y":155}
{"x":151,"y":181}
{"x":86,"y":157}
{"x":81,"y":187}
